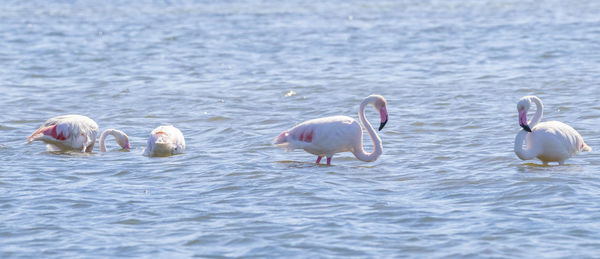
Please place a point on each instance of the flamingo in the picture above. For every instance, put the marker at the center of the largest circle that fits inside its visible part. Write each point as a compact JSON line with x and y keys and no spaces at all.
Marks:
{"x":67,"y":132}
{"x":335,"y":134}
{"x":549,"y":141}
{"x":70,"y":132}
{"x":165,"y":141}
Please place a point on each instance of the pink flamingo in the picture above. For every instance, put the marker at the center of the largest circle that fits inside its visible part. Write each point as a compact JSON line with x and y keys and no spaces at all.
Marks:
{"x":550,"y":141}
{"x":330,"y":135}
{"x":165,"y":141}
{"x":71,"y":132}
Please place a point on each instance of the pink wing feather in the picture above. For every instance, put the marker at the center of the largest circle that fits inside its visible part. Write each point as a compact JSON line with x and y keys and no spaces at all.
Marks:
{"x":297,"y":137}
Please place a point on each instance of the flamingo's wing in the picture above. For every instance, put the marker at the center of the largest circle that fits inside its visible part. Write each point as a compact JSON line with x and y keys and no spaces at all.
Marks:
{"x":59,"y":132}
{"x":324,"y":135}
{"x":68,"y":131}
{"x":296,"y":137}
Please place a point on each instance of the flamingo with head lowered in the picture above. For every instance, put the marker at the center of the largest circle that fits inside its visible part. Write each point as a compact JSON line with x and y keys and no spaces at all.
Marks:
{"x":549,"y":141}
{"x":327,"y":136}
{"x":165,"y":141}
{"x":72,"y":132}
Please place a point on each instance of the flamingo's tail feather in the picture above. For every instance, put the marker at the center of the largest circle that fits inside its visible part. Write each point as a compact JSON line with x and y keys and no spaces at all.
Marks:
{"x":39,"y":133}
{"x":282,"y":141}
{"x":586,"y":148}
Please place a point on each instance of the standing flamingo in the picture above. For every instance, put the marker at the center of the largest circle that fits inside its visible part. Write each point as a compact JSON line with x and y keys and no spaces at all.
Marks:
{"x":330,"y":135}
{"x":72,"y":132}
{"x":120,"y":136}
{"x":165,"y":141}
{"x":550,"y":141}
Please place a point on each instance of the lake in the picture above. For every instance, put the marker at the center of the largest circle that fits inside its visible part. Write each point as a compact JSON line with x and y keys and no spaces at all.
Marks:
{"x":232,"y":75}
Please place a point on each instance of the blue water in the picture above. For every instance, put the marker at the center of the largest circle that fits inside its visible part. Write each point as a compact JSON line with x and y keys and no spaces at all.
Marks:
{"x":231,"y":75}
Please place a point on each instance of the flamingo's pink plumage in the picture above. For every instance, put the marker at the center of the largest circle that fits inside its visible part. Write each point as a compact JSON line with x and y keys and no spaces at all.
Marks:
{"x":330,"y":135}
{"x":550,"y":141}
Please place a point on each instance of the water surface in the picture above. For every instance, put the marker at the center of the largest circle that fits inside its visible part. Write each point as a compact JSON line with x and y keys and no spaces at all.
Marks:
{"x":233,"y":75}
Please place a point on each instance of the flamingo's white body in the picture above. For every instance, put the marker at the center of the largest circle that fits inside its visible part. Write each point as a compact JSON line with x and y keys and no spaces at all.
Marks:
{"x":165,"y":141}
{"x":330,"y":135}
{"x":72,"y":132}
{"x":550,"y":141}
{"x":67,"y":132}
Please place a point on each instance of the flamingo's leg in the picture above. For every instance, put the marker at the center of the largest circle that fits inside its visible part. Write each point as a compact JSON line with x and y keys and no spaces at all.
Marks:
{"x":328,"y":160}
{"x":319,"y":159}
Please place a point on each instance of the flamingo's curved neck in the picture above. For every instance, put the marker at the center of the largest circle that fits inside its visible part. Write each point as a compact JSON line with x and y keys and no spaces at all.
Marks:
{"x":524,"y":154}
{"x":539,"y":112}
{"x":359,"y":151}
{"x":115,"y":133}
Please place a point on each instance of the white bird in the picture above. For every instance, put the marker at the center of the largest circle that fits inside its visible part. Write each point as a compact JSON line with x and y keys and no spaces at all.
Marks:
{"x":330,"y":135}
{"x":165,"y":141}
{"x":120,"y":136}
{"x":72,"y":132}
{"x":67,"y":132}
{"x":550,"y":141}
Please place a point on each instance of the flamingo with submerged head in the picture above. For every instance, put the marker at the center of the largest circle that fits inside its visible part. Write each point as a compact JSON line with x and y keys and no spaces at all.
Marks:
{"x":73,"y":132}
{"x":549,"y":141}
{"x":165,"y":141}
{"x":330,"y":135}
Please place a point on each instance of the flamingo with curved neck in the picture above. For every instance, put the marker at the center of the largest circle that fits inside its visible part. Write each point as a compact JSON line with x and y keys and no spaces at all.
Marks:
{"x":550,"y":141}
{"x":74,"y":132}
{"x":330,"y":135}
{"x":120,"y":136}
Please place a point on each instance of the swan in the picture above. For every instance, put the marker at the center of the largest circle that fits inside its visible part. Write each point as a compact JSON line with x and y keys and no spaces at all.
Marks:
{"x":67,"y":132}
{"x":335,"y":134}
{"x":165,"y":141}
{"x":549,"y":141}
{"x":120,"y":136}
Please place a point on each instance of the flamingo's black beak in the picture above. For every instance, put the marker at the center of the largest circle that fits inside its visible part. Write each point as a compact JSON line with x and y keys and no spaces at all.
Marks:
{"x":382,"y":124}
{"x":384,"y":117}
{"x":526,"y":127}
{"x":523,"y":120}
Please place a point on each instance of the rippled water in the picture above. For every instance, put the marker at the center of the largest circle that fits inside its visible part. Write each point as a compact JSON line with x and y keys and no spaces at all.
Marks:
{"x":234,"y":74}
